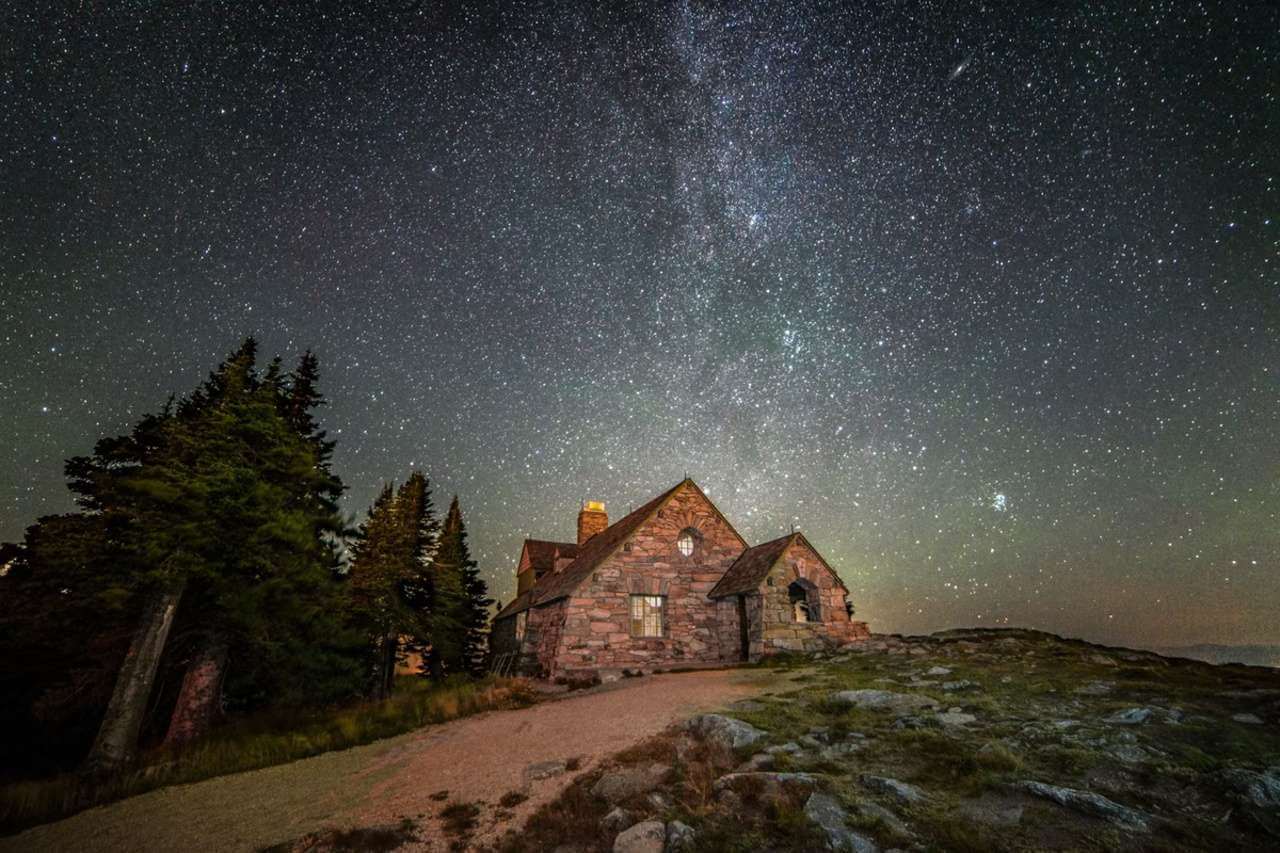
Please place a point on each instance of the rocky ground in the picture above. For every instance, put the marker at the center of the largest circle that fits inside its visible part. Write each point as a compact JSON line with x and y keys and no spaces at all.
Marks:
{"x":964,"y":740}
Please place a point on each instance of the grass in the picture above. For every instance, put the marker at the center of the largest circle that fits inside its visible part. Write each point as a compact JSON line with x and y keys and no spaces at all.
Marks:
{"x":261,"y":741}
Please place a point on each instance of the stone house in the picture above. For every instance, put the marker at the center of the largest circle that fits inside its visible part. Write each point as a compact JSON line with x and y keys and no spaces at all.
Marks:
{"x":671,"y":584}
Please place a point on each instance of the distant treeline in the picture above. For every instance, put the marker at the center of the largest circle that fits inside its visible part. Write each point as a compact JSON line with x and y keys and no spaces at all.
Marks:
{"x":210,"y":571}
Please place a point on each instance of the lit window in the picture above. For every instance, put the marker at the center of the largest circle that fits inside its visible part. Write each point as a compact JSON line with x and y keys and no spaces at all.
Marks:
{"x":646,"y":615}
{"x":522,"y":621}
{"x":685,"y":543}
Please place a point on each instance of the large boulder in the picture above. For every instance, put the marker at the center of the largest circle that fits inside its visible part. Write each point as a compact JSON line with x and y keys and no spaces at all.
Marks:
{"x":883,"y":700}
{"x":1087,"y":802}
{"x":825,"y":811}
{"x":726,"y":731}
{"x":623,"y":783}
{"x":648,"y":836}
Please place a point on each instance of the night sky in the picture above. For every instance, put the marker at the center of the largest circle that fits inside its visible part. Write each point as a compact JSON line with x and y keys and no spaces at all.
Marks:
{"x":984,"y":298}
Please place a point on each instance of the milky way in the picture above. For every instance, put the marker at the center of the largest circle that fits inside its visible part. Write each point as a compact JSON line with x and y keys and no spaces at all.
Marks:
{"x":985,"y":299}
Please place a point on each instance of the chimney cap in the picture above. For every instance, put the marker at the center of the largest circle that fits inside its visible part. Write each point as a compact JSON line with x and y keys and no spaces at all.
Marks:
{"x":593,"y":506}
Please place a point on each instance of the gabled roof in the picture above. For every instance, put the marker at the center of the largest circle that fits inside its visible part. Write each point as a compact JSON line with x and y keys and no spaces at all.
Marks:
{"x":751,"y":567}
{"x":754,"y":564}
{"x":591,"y":554}
{"x":543,"y":553}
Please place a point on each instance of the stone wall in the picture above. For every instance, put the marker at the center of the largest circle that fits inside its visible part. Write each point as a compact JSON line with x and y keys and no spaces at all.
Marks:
{"x":542,"y":640}
{"x":502,"y":637}
{"x":597,"y":617}
{"x":778,"y":629}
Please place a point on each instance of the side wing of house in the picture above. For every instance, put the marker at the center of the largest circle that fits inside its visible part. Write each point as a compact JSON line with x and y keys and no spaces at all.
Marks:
{"x":804,"y":605}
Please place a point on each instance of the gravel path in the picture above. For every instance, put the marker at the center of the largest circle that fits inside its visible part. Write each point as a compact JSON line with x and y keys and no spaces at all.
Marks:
{"x":476,"y":760}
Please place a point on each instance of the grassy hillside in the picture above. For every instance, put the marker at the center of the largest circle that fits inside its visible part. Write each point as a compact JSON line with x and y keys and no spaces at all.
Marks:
{"x":965,"y":740}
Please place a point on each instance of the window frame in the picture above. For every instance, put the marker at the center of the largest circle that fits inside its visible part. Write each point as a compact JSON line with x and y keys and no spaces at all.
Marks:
{"x":652,"y":612}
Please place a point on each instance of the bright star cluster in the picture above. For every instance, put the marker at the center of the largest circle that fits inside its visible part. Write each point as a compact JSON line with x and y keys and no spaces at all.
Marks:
{"x":984,"y":299}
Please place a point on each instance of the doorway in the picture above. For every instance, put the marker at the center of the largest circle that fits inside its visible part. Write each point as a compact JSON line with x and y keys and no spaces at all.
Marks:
{"x":743,"y":632}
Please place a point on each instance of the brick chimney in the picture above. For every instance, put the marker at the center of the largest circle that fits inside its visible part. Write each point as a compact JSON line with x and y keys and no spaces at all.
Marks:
{"x":591,"y":520}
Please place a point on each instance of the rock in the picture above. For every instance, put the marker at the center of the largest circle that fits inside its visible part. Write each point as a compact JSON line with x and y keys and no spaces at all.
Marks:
{"x":955,"y":717}
{"x":759,"y":761}
{"x":680,"y":837}
{"x":544,"y":770}
{"x":769,"y":784}
{"x":875,"y":811}
{"x":1102,"y":660}
{"x":616,"y":820}
{"x":1095,"y":688}
{"x":618,"y":785}
{"x":649,"y":836}
{"x":658,"y":801}
{"x":1130,"y":717}
{"x":883,"y":700}
{"x":899,"y":790}
{"x":837,"y":751}
{"x":1260,"y":790}
{"x":729,"y":801}
{"x":1247,"y":719}
{"x":791,"y":748}
{"x":1087,"y":802}
{"x":938,"y":670}
{"x":825,"y":811}
{"x":726,"y":731}
{"x":963,"y":684}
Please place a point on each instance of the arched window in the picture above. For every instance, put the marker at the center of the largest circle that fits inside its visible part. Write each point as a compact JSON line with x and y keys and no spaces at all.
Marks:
{"x":804,"y":602}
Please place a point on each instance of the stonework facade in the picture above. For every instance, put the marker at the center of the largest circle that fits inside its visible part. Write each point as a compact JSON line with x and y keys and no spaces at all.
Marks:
{"x":672,"y":584}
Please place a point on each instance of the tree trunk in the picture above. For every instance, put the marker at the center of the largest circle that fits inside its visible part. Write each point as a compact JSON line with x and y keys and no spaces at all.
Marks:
{"x":116,"y":746}
{"x":200,"y":697}
{"x":389,"y":665}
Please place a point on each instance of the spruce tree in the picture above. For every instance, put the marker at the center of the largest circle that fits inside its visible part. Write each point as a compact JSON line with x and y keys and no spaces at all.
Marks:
{"x":225,"y":517}
{"x":465,"y":652}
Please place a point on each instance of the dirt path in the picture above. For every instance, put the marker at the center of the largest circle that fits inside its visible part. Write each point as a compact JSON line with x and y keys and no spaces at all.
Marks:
{"x":476,"y":760}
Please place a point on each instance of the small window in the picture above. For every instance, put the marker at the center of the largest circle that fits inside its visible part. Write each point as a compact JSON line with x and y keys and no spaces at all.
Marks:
{"x":522,"y":622}
{"x":684,"y":544}
{"x":647,"y":615}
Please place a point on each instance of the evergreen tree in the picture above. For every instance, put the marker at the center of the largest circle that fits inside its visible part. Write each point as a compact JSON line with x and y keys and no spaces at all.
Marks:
{"x":226,"y":516}
{"x":463,"y":648}
{"x":393,"y":596}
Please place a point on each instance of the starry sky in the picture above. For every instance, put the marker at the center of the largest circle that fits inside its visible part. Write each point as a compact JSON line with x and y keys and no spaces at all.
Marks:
{"x":985,"y":298}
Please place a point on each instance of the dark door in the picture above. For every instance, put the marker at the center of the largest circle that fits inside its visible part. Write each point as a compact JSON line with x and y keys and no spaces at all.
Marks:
{"x":742,"y":627}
